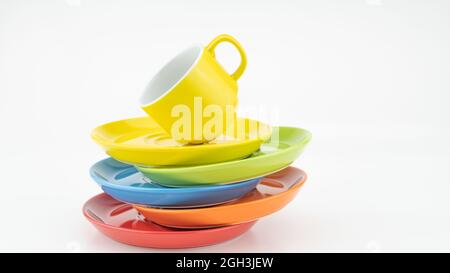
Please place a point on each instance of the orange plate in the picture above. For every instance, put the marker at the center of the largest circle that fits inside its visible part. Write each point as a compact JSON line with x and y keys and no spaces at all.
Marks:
{"x":272,"y":194}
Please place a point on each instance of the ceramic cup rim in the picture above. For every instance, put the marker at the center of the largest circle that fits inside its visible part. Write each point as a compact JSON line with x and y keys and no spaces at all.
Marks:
{"x":145,"y":101}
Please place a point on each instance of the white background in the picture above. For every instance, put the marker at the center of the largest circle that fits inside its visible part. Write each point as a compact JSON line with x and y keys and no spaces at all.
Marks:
{"x":369,"y":78}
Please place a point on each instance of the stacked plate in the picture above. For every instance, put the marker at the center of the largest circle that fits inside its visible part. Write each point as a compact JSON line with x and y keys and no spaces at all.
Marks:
{"x":164,"y":193}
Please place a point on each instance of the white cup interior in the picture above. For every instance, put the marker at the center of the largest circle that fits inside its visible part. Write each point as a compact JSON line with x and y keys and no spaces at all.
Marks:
{"x":170,"y":75}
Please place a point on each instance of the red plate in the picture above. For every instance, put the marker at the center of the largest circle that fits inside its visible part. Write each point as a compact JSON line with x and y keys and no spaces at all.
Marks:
{"x":124,"y":224}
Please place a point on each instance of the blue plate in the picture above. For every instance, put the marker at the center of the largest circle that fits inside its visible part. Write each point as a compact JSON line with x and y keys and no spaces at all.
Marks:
{"x":125,"y":183}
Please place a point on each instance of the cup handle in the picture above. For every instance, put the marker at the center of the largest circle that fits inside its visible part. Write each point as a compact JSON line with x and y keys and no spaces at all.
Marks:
{"x":227,"y":38}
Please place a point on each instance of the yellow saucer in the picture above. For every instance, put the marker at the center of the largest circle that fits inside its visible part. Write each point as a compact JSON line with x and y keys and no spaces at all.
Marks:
{"x":140,"y":141}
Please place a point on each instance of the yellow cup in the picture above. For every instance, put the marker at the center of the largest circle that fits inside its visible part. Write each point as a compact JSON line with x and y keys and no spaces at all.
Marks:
{"x":192,"y":97}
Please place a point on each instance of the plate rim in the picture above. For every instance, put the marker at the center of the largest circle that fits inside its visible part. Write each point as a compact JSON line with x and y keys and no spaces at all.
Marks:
{"x":307,"y":139}
{"x":111,"y":144}
{"x":180,"y":231}
{"x":300,"y":182}
{"x":203,"y":188}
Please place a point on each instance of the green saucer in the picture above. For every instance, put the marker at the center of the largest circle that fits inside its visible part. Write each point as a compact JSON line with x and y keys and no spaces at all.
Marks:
{"x":271,"y":157}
